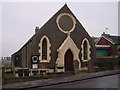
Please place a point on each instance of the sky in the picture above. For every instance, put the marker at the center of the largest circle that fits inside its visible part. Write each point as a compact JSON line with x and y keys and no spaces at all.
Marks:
{"x":19,"y":20}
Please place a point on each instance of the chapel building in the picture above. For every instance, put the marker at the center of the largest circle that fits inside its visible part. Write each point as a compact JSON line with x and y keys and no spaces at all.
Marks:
{"x":61,"y":45}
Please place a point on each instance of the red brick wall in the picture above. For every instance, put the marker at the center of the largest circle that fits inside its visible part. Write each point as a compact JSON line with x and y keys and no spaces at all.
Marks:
{"x":112,"y":48}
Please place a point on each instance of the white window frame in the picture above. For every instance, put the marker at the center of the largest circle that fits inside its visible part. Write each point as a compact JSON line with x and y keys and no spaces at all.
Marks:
{"x":88,"y":50}
{"x":48,"y":49}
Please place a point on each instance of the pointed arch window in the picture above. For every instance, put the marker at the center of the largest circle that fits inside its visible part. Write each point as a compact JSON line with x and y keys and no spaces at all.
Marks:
{"x":44,"y":50}
{"x":85,"y":50}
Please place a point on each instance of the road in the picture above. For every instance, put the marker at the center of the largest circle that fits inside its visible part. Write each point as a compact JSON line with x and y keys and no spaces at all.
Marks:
{"x":101,"y":82}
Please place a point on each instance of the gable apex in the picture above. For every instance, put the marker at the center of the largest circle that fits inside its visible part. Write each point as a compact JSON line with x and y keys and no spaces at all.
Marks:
{"x":65,"y":9}
{"x":112,"y":39}
{"x":65,"y":4}
{"x":105,"y":39}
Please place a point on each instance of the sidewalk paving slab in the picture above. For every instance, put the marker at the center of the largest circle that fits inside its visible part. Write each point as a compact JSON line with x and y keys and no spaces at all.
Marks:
{"x":58,"y":80}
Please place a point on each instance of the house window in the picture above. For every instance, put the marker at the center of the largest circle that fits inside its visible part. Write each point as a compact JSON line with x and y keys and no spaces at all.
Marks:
{"x":44,"y":49}
{"x":85,"y":50}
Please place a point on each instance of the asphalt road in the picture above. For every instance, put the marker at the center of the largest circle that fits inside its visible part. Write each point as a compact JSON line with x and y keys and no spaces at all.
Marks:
{"x":101,"y":82}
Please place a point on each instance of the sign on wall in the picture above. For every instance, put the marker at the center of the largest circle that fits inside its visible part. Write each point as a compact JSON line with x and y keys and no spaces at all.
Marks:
{"x":34,"y":66}
{"x":35,"y":61}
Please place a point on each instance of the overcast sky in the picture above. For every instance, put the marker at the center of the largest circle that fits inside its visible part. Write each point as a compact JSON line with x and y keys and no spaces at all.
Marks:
{"x":19,"y":20}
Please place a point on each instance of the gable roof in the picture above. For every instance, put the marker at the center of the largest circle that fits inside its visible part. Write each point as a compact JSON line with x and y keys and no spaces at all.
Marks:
{"x":113,"y":39}
{"x":38,"y":30}
{"x":51,"y":26}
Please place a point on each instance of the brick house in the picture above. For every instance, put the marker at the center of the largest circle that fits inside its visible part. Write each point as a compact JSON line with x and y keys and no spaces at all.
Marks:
{"x":107,"y":45}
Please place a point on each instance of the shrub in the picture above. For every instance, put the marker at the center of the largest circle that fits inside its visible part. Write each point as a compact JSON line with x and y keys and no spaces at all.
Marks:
{"x":8,"y":75}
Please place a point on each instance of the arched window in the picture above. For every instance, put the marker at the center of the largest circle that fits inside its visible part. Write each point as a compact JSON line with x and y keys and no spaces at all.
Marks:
{"x":44,"y":49}
{"x":85,"y":50}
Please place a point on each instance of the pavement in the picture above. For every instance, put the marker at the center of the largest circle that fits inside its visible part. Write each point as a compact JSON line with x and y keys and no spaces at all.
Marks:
{"x":58,"y":80}
{"x":109,"y":82}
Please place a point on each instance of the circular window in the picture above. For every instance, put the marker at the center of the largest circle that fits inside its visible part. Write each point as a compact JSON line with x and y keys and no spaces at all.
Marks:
{"x":66,"y":22}
{"x":34,"y":59}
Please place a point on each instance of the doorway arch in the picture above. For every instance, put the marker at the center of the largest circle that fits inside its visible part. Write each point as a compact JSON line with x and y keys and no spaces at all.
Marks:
{"x":68,"y":60}
{"x":62,"y":50}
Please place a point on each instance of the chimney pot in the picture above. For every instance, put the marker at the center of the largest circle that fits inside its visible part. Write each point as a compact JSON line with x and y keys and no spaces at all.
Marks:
{"x":36,"y":29}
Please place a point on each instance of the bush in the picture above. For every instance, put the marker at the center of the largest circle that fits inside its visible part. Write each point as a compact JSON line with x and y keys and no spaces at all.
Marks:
{"x":84,"y":71}
{"x":9,"y":75}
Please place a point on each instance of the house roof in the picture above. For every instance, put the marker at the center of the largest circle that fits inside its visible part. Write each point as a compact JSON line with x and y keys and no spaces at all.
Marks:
{"x":111,"y":38}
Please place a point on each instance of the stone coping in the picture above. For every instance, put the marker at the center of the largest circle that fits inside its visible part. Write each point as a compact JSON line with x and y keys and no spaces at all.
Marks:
{"x":59,"y":80}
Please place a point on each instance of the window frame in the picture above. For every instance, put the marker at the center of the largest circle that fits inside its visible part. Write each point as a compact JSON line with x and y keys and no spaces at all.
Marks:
{"x":88,"y":50}
{"x":44,"y":49}
{"x":48,"y":58}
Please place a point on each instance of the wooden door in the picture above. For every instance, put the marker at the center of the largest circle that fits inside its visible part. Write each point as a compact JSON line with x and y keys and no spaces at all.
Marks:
{"x":68,"y":60}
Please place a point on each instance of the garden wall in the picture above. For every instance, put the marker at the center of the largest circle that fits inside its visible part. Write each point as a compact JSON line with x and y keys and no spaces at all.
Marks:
{"x":107,"y":64}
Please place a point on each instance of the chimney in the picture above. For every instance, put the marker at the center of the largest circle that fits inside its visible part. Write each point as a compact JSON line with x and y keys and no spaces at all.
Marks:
{"x":36,"y":29}
{"x":103,"y":34}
